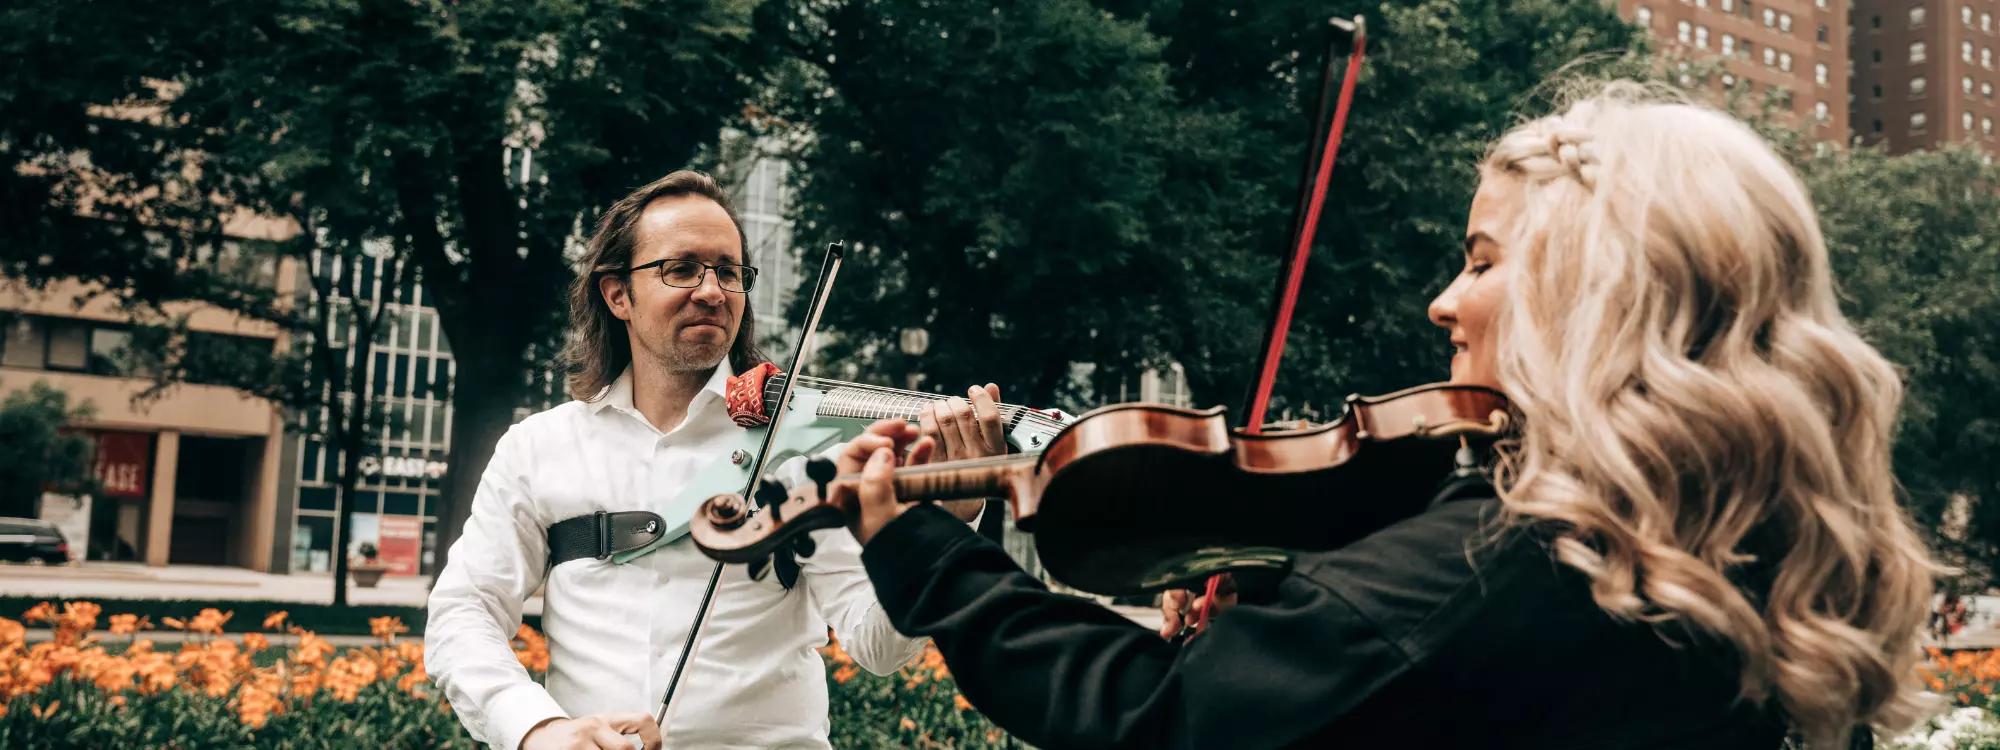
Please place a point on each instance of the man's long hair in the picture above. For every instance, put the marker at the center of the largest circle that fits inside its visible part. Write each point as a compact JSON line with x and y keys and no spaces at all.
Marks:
{"x":596,"y":349}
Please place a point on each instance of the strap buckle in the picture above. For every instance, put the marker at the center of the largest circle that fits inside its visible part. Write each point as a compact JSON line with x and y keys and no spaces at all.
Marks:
{"x":603,"y":523}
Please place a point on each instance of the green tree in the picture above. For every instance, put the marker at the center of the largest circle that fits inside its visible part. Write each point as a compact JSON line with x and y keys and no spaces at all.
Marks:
{"x":474,"y":141}
{"x":35,"y":454}
{"x":1915,"y":241}
{"x":1052,"y":183}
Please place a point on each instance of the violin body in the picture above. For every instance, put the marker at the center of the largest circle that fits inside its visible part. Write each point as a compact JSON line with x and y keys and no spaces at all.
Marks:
{"x":1140,"y":497}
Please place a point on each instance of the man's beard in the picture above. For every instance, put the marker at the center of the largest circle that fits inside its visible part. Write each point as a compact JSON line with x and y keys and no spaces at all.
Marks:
{"x":681,"y":357}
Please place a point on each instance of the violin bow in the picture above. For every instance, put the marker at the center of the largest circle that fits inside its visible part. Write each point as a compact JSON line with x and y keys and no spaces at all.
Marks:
{"x":1305,"y":223}
{"x":829,"y":268}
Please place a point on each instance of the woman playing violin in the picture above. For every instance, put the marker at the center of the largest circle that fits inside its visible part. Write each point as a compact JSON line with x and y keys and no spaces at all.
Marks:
{"x":1692,"y":541}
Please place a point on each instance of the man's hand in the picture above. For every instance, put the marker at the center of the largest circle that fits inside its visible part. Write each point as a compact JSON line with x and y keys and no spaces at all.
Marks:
{"x":873,"y":456}
{"x":964,"y":428}
{"x":595,"y":732}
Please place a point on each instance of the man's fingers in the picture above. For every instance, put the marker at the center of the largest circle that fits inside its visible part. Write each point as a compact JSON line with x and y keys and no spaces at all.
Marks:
{"x":927,"y":421}
{"x":603,"y":737}
{"x":639,"y":724}
{"x":966,"y":426}
{"x":986,"y":413}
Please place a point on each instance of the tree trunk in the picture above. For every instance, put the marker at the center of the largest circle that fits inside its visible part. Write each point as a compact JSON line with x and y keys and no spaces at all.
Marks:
{"x":483,"y":401}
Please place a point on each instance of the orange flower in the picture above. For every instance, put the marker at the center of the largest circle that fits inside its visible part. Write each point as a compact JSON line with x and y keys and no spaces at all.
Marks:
{"x":43,"y":612}
{"x":209,"y":621}
{"x":958,"y":699}
{"x":844,"y":673}
{"x":275,"y":620}
{"x":386,"y":628}
{"x":174,"y":622}
{"x":12,"y":633}
{"x":908,"y":725}
{"x":47,"y":711}
{"x":255,"y":642}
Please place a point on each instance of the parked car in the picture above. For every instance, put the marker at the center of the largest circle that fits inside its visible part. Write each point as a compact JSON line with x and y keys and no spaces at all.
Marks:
{"x":32,"y":540}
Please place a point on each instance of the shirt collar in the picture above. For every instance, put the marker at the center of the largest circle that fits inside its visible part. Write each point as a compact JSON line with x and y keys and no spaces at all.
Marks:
{"x":619,"y":393}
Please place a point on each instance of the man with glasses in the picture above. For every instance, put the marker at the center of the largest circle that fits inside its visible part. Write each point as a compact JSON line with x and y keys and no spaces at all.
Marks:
{"x":658,"y":324}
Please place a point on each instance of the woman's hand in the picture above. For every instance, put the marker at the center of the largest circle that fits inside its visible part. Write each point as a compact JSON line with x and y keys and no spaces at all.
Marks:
{"x":873,"y":456}
{"x":1180,"y":607}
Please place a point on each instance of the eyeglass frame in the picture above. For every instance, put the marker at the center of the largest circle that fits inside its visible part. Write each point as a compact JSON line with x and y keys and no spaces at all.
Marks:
{"x":706,"y":269}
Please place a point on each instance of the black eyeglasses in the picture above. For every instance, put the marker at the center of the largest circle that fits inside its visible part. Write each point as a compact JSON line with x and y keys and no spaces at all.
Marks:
{"x":687,"y":274}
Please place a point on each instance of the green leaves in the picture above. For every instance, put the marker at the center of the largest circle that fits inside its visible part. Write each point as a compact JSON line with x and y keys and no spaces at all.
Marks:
{"x":35,"y":452}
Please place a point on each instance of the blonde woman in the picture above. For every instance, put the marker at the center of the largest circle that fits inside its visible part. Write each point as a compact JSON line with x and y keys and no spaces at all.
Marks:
{"x":1694,"y":541}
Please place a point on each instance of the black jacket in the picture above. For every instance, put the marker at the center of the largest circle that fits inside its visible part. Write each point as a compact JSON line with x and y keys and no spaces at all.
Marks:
{"x":1434,"y":632}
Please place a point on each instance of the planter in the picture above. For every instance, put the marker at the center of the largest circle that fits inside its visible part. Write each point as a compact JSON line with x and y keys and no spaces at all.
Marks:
{"x":367,"y":574}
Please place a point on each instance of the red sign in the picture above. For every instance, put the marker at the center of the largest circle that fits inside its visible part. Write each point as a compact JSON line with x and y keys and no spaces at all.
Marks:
{"x":123,"y":462}
{"x":400,"y":543}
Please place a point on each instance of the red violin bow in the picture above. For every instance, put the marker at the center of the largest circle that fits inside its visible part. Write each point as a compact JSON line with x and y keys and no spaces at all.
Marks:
{"x":1294,"y":269}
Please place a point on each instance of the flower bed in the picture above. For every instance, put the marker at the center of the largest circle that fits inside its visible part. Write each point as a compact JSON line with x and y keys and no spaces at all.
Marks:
{"x":286,"y":687}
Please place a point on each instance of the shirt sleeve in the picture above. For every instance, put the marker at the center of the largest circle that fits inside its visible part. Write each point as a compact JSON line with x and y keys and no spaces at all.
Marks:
{"x":1061,"y":671}
{"x":475,"y":608}
{"x":838,"y":584}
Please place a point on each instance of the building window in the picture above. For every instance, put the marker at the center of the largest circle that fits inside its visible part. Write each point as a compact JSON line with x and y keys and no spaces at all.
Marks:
{"x":1728,"y":46}
{"x":1701,"y":3}
{"x":27,"y":338}
{"x":1986,"y":90}
{"x":1875,"y":22}
{"x":1770,"y":57}
{"x":1644,"y":16}
{"x":1917,"y":52}
{"x":1986,"y":58}
{"x":1821,"y":112}
{"x":69,"y":345}
{"x":1821,"y":4}
{"x":1728,"y":81}
{"x":1878,"y":126}
{"x":1819,"y":74}
{"x":1917,"y":86}
{"x":1985,"y":22}
{"x":1986,"y":125}
{"x":1822,"y":35}
{"x":1785,"y":62}
{"x":1965,"y":51}
{"x":1967,"y":119}
{"x":1701,"y":37}
{"x":1965,"y":13}
{"x":1727,"y":6}
{"x":1916,"y":16}
{"x":1917,"y":121}
{"x":1785,"y":22}
{"x":1686,"y":32}
{"x":1878,"y":91}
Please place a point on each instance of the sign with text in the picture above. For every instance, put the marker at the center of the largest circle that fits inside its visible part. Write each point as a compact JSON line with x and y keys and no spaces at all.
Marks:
{"x":410,"y":467}
{"x":401,"y":543}
{"x":124,"y":460}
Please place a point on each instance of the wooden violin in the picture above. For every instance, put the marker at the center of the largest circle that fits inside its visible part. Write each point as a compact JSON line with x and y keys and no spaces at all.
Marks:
{"x":1140,"y":497}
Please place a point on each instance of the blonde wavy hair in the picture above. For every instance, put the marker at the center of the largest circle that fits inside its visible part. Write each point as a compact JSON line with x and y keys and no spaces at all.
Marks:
{"x":1699,"y":420}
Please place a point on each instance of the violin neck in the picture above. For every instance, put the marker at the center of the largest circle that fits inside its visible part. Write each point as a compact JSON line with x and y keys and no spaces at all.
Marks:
{"x":856,"y":401}
{"x":961,"y":480}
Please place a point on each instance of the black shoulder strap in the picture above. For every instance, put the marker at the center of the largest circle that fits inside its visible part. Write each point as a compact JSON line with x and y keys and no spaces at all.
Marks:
{"x":601,"y":535}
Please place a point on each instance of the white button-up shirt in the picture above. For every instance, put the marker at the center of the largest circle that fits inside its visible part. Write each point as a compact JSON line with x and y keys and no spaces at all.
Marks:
{"x":615,"y":631}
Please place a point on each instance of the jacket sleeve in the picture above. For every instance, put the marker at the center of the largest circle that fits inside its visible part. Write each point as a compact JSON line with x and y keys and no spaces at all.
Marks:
{"x":475,"y":608}
{"x":1063,"y":672}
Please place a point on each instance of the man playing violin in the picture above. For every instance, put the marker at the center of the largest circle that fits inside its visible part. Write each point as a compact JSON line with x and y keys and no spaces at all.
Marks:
{"x":657,"y":327}
{"x":1692,"y":541}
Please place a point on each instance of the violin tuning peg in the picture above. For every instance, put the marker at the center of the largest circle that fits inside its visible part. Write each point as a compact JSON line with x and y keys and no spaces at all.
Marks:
{"x":759,"y":567}
{"x":821,"y":471}
{"x":769,"y":493}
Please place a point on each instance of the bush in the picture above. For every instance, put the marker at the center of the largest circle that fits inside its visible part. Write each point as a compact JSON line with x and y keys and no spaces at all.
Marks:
{"x":324,"y":619}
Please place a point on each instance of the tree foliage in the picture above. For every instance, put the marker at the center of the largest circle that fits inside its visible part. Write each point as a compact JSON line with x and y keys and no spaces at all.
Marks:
{"x":1053,"y":183}
{"x":35,"y":453}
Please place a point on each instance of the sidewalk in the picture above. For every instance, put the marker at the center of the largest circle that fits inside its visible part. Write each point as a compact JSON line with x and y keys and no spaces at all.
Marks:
{"x":125,"y":580}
